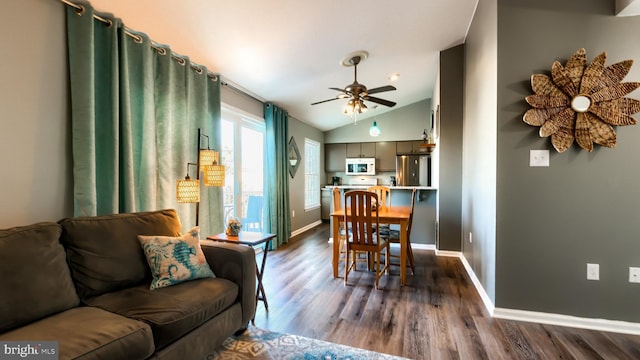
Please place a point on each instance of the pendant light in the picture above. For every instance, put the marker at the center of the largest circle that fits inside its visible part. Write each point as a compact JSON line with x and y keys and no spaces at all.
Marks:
{"x":374,"y":130}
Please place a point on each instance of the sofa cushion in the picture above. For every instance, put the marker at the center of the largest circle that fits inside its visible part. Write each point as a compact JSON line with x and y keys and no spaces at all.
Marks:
{"x":36,"y":280}
{"x":89,"y":333}
{"x":104,"y":253}
{"x":175,"y":259}
{"x":171,"y":311}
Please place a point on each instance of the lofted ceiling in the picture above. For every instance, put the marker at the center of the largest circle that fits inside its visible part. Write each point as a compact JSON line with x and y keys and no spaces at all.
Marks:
{"x":289,"y":52}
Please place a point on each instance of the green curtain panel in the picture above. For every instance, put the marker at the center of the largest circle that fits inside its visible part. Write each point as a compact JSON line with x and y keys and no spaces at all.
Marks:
{"x":136,"y":111}
{"x":278,"y":215}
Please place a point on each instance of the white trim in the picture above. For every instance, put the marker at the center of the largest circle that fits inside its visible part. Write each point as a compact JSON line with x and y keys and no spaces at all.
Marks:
{"x":616,"y":326}
{"x":305,"y":228}
{"x":423,"y":246}
{"x":570,"y":321}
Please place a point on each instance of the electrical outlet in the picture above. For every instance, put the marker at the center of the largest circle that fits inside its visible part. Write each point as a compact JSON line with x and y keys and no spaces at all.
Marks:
{"x":634,"y":275}
{"x":593,"y":271}
{"x":293,"y":213}
{"x":470,"y":237}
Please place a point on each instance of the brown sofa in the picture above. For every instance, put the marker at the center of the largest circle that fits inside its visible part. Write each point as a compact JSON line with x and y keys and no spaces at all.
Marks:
{"x":84,"y":282}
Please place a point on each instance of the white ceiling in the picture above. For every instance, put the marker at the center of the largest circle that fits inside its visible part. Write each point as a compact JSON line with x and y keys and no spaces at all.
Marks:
{"x":289,"y":51}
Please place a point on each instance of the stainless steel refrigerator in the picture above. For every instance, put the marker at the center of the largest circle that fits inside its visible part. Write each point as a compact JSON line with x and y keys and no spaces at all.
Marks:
{"x":413,"y":170}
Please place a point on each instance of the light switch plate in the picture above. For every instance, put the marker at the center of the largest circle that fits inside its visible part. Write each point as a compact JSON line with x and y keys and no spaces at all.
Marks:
{"x":593,"y":272}
{"x":634,"y":275}
{"x":539,"y":158}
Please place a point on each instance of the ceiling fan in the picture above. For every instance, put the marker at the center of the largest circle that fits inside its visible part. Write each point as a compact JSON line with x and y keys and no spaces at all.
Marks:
{"x":357,"y":93}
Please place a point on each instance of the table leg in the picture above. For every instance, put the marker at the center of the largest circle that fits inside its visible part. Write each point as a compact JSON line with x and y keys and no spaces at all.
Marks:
{"x":403,"y":252}
{"x":336,"y":245}
{"x":260,"y":294}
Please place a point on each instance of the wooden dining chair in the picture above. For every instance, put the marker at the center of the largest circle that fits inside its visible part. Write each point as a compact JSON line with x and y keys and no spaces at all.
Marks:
{"x":384,"y":199}
{"x":360,"y":219}
{"x":394,"y":237}
{"x":337,"y":205}
{"x":384,"y":195}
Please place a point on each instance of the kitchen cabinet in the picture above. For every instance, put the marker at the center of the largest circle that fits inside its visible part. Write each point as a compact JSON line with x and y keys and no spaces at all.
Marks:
{"x":334,"y":157}
{"x":364,"y":150}
{"x":386,"y":156}
{"x":408,"y":147}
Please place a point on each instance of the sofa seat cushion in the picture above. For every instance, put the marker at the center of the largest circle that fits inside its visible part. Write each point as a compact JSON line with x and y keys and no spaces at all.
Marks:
{"x":171,"y":311}
{"x":104,"y":253}
{"x":36,"y":280}
{"x":89,"y":333}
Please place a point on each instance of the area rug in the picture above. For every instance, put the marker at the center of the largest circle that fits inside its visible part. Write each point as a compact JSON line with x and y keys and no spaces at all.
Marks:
{"x":256,"y":343}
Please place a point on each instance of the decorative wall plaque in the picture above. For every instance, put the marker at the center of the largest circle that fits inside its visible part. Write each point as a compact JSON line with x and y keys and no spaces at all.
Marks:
{"x":582,"y":102}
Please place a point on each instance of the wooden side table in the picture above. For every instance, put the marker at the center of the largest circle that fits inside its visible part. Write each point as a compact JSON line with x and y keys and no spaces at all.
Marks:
{"x":251,"y":239}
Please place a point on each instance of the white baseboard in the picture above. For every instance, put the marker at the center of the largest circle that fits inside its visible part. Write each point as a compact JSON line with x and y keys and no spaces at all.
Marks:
{"x":616,"y":326}
{"x":423,"y":246}
{"x":305,"y":228}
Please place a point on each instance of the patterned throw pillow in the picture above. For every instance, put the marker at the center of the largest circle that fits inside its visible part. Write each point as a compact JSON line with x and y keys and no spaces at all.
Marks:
{"x":175,"y":259}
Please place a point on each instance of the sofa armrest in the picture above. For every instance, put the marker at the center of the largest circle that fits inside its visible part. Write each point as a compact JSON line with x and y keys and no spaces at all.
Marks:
{"x":236,"y":263}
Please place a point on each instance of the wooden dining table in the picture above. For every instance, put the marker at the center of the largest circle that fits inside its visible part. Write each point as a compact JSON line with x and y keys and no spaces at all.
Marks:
{"x":389,"y":215}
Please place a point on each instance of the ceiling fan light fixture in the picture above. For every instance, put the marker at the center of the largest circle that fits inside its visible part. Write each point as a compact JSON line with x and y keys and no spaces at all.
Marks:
{"x":360,"y":107}
{"x":357,"y":93}
{"x":374,"y":130}
{"x":394,"y":77}
{"x":350,"y":107}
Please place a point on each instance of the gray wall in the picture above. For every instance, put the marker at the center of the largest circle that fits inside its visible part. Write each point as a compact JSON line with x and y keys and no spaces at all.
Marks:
{"x":450,"y":148}
{"x":34,"y":145}
{"x":479,"y":151}
{"x":235,"y":98}
{"x":584,"y":207}
{"x":302,"y":218}
{"x":403,"y":123}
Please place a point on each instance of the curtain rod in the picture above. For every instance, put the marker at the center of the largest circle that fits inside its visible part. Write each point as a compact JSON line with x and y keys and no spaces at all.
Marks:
{"x":138,"y":39}
{"x":242,"y":92}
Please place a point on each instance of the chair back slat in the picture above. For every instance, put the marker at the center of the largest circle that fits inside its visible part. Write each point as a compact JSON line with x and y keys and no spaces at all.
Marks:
{"x":361,"y":218}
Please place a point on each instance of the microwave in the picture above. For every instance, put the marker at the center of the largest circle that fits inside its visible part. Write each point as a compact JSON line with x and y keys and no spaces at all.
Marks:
{"x":360,"y":166}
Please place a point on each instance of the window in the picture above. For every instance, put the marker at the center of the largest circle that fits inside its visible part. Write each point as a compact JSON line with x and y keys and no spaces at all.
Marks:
{"x":243,"y":157}
{"x":311,"y":174}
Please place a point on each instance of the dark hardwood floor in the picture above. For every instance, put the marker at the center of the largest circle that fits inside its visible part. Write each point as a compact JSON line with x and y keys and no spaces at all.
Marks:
{"x":438,"y":315}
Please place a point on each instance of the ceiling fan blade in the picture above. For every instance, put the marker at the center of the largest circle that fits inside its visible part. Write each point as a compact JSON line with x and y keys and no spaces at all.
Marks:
{"x":381,"y":89}
{"x":336,"y":89}
{"x":324,"y":101}
{"x":379,"y":101}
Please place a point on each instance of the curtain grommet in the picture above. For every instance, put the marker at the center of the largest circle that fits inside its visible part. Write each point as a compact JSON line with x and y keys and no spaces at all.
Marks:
{"x":80,"y":10}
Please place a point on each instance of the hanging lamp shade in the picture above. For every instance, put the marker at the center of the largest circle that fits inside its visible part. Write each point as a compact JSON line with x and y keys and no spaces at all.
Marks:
{"x":208,"y":157}
{"x":214,"y":175}
{"x":374,"y":130}
{"x":188,"y":191}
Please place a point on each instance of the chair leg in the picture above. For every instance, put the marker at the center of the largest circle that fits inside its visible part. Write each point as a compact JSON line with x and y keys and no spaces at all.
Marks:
{"x":346,"y":265}
{"x":376,"y":258}
{"x":411,"y":262}
{"x":387,"y":258}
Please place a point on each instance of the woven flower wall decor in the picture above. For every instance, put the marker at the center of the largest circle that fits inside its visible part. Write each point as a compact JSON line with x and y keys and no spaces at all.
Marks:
{"x":581,"y":102}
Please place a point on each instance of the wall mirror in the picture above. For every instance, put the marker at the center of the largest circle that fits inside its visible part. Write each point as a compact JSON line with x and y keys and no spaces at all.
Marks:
{"x":294,"y":157}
